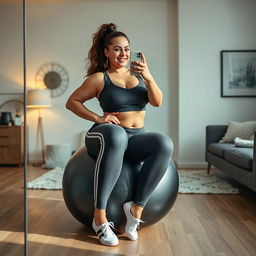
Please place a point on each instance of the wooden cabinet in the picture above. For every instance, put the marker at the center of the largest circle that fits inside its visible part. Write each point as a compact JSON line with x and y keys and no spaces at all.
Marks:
{"x":11,"y":144}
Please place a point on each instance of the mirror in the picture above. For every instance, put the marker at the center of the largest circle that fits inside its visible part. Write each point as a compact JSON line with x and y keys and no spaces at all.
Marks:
{"x":58,"y":41}
{"x":11,"y":128}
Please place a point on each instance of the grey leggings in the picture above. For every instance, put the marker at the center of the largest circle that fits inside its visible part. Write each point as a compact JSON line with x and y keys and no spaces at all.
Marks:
{"x":108,"y":143}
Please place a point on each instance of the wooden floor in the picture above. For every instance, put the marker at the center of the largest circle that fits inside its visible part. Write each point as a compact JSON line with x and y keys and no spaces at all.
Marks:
{"x":197,"y":225}
{"x":11,"y":211}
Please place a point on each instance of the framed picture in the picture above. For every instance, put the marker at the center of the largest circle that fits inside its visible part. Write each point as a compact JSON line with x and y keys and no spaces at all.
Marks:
{"x":238,"y":73}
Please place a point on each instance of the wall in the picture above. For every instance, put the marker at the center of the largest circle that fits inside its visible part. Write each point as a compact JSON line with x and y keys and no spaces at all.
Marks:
{"x":11,"y":53}
{"x":205,"y":28}
{"x":61,"y":32}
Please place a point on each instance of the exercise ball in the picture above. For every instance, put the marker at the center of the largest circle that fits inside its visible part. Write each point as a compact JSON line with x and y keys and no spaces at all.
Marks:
{"x":77,"y":188}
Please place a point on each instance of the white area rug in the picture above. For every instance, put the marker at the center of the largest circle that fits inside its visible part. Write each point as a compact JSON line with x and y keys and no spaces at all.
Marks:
{"x":196,"y":181}
{"x":50,"y":180}
{"x":199,"y":182}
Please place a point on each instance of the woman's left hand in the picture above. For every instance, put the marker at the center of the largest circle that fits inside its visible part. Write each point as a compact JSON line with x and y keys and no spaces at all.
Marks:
{"x":141,"y":68}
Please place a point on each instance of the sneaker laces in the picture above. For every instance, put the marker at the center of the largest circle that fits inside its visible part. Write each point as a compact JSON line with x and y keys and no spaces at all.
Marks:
{"x":106,"y":227}
{"x":134,"y":224}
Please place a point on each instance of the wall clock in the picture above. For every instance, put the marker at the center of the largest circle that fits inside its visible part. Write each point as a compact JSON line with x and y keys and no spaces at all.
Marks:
{"x":54,"y":77}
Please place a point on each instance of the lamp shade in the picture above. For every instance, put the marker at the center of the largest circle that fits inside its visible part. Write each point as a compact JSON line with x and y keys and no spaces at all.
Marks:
{"x":39,"y":98}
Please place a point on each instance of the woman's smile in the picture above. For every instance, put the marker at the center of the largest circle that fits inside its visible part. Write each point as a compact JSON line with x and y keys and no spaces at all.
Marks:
{"x":122,"y":59}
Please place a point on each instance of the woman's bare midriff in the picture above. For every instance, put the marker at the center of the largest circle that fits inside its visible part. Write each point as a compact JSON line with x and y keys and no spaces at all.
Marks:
{"x":131,"y":119}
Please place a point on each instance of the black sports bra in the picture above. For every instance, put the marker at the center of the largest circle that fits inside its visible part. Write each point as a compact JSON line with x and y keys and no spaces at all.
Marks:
{"x":114,"y":98}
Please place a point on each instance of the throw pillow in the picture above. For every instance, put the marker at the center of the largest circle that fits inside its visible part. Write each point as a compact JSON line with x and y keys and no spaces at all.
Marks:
{"x":243,"y":143}
{"x":242,"y":130}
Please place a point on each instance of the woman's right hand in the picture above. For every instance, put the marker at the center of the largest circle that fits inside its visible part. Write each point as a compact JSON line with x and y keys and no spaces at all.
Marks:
{"x":110,"y":118}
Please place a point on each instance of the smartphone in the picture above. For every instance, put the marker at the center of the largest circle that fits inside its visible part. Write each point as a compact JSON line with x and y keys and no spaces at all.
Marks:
{"x":134,"y":56}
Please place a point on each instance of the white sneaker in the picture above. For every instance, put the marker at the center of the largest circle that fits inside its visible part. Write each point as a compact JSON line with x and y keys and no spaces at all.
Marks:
{"x":132,"y":223}
{"x":105,"y":233}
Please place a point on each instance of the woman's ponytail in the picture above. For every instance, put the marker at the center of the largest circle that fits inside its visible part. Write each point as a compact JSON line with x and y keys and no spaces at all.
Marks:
{"x":97,"y":60}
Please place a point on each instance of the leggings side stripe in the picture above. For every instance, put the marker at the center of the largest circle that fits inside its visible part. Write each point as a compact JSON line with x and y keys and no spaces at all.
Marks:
{"x":99,"y":136}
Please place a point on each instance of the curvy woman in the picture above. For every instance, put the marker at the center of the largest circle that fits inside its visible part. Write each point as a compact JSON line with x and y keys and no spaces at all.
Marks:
{"x":119,"y":130}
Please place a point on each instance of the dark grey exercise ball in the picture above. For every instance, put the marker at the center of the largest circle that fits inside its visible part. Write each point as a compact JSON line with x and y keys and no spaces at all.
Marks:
{"x":77,"y":188}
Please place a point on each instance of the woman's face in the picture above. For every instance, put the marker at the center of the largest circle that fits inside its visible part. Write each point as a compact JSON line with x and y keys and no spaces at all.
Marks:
{"x":118,"y":52}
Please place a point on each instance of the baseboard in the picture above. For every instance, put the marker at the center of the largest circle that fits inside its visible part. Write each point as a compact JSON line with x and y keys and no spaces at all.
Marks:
{"x":32,"y":160}
{"x":192,"y":165}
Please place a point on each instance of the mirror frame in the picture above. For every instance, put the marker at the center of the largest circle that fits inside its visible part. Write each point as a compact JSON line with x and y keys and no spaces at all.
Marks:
{"x":25,"y":206}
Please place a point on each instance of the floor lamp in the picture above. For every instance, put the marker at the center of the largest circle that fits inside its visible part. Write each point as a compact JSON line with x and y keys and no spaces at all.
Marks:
{"x":39,"y":99}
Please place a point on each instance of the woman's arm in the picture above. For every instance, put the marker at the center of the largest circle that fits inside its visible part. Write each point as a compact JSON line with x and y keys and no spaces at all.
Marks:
{"x":86,"y":91}
{"x":89,"y":89}
{"x":155,"y":95}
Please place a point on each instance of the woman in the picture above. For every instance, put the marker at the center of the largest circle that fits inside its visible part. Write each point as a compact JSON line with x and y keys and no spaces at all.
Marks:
{"x":119,"y":131}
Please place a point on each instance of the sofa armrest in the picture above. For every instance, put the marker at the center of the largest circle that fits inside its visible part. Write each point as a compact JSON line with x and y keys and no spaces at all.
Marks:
{"x":214,"y":133}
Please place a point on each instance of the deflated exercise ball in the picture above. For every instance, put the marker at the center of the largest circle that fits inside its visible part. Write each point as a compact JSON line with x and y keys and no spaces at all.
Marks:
{"x":77,"y":188}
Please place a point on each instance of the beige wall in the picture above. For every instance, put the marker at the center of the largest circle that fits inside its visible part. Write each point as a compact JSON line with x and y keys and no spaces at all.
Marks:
{"x":11,"y":54}
{"x":205,"y":28}
{"x":11,"y":50}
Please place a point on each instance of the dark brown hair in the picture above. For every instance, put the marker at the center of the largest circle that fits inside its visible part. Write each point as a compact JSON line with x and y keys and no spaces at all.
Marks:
{"x":97,"y":60}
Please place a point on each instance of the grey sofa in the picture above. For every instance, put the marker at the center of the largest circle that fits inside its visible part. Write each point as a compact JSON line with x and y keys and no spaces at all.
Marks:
{"x":239,"y":163}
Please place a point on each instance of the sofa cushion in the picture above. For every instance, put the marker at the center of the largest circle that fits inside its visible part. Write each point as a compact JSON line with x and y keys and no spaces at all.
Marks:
{"x":240,"y":156}
{"x":218,"y":148}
